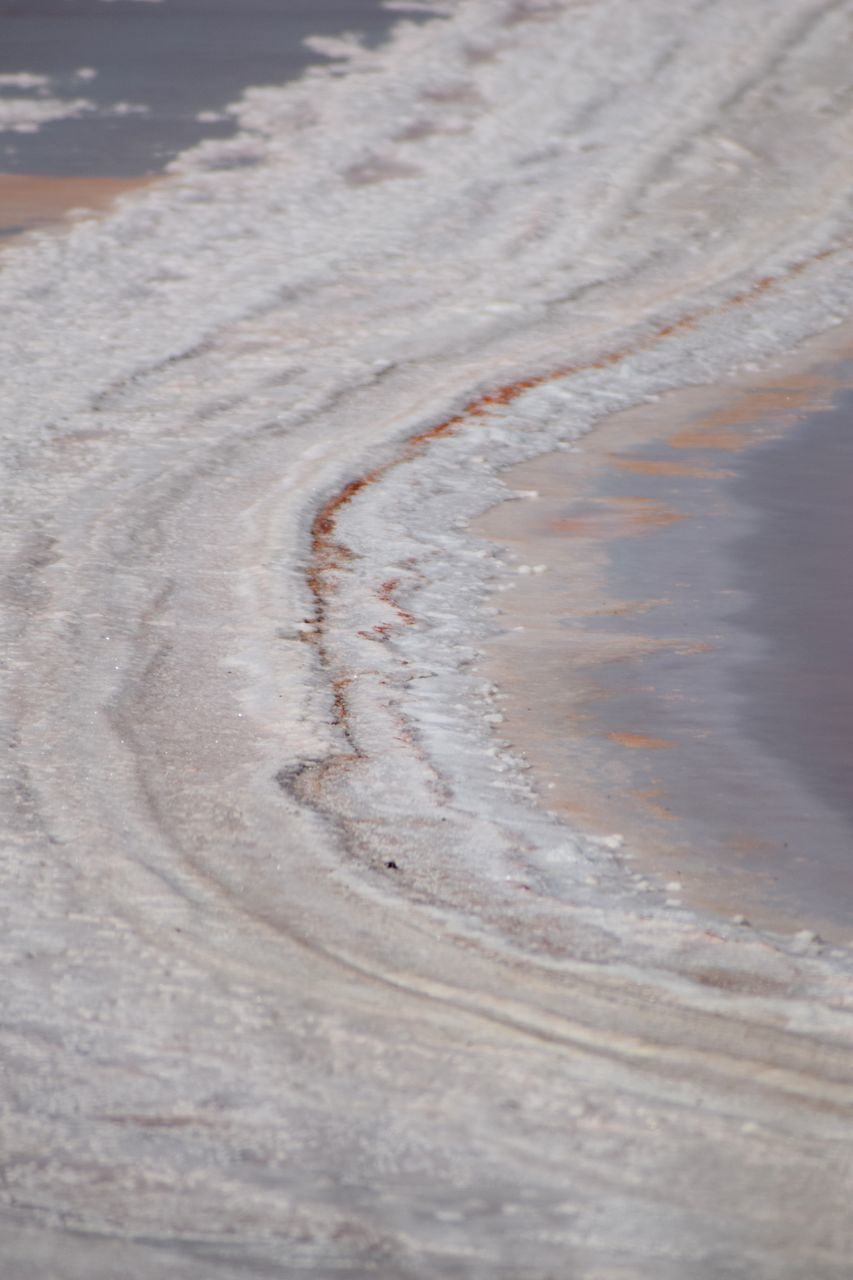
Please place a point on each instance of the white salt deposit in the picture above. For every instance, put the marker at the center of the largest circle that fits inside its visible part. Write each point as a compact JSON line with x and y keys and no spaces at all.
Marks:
{"x":27,"y":115}
{"x":274,"y":879}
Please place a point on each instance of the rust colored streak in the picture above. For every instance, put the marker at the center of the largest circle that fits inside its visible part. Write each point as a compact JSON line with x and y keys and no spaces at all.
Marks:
{"x":385,"y":594}
{"x":339,"y":688}
{"x":640,"y":740}
{"x":327,"y":553}
{"x":508,"y":393}
{"x":324,"y":521}
{"x":432,"y":433}
{"x":757,"y":410}
{"x":159,"y":1122}
{"x":710,"y":438}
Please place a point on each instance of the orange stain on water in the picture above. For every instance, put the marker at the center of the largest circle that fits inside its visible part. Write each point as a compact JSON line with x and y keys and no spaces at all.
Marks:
{"x":744,"y":422}
{"x":640,"y":741}
{"x":747,"y":844}
{"x":28,"y":200}
{"x":658,"y":467}
{"x":651,"y":800}
{"x":617,"y":517}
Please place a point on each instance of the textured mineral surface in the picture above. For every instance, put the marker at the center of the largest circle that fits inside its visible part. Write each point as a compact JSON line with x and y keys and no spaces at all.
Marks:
{"x":299,"y":976}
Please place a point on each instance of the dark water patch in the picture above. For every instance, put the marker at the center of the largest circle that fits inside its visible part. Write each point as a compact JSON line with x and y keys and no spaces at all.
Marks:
{"x":795,"y":569}
{"x":693,"y":685}
{"x":158,"y":68}
{"x":750,"y":682}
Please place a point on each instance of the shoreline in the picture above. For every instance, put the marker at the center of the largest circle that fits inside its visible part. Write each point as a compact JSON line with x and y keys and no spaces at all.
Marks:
{"x":707,"y":426}
{"x":154,"y":85}
{"x":594,"y":870}
{"x":301,"y":977}
{"x":31,"y":202}
{"x":584,"y":618}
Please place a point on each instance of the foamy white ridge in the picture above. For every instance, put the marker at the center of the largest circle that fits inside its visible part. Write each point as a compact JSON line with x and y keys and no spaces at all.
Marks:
{"x":268,"y":959}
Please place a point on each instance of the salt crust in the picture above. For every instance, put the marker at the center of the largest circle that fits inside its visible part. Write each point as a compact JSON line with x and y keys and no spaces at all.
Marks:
{"x":237,"y":1038}
{"x":506,"y":192}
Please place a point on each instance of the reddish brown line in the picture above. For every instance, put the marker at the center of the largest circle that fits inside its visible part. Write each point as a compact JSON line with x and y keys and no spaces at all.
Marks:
{"x":327,"y":553}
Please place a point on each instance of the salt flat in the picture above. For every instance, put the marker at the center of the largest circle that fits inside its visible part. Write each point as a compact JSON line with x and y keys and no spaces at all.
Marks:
{"x":248,"y":417}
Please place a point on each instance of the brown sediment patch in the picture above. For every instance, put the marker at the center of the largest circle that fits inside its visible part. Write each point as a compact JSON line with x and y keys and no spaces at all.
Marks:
{"x":754,"y":411}
{"x":659,"y":467}
{"x":640,"y":741}
{"x":651,"y":800}
{"x":748,"y":845}
{"x":28,"y":201}
{"x":705,"y":437}
{"x":696,"y":646}
{"x":626,"y":609}
{"x":739,"y":982}
{"x":161,"y":1122}
{"x":617,"y":517}
{"x":780,"y":402}
{"x":646,"y":511}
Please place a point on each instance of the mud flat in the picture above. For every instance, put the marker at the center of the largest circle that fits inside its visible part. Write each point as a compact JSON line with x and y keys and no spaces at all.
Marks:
{"x":301,"y":977}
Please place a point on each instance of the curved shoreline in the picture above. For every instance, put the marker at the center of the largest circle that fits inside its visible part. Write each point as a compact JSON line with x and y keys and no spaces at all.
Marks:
{"x":634,"y":643}
{"x":242,"y":1036}
{"x":328,"y":556}
{"x":335,"y":570}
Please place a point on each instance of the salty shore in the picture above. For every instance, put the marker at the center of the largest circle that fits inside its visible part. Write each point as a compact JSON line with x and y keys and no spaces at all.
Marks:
{"x":28,"y":202}
{"x":662,"y":671}
{"x":97,"y":101}
{"x":302,"y":977}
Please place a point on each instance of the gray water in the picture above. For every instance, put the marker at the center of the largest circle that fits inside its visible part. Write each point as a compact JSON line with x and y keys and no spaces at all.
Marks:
{"x":757,"y":572}
{"x":169,"y":61}
{"x":795,"y":567}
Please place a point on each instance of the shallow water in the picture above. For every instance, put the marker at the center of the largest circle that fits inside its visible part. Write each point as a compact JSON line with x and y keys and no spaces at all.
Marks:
{"x":131,"y":83}
{"x":715,"y":690}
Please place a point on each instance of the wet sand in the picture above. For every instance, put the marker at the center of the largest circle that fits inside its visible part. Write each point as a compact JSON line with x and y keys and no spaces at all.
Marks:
{"x":680,"y":672}
{"x":28,"y":201}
